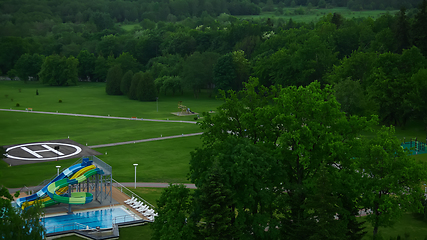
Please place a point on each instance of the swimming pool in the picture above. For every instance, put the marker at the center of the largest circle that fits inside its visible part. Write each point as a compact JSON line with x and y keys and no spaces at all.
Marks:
{"x":103,"y":218}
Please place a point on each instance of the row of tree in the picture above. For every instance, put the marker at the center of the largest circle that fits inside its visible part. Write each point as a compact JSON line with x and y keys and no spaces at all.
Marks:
{"x":287,"y":163}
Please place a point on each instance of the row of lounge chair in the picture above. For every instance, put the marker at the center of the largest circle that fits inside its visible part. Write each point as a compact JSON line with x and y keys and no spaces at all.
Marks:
{"x":140,"y":206}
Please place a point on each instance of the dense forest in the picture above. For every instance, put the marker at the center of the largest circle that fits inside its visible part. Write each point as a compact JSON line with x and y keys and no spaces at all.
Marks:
{"x":359,"y":56}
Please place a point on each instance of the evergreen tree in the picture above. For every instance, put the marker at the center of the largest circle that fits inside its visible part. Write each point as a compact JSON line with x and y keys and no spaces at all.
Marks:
{"x":402,"y":31}
{"x":114,"y":78}
{"x":126,"y":82}
{"x":146,"y":88}
{"x":224,"y":74}
{"x":420,"y":28}
{"x":133,"y":90}
{"x":215,"y":202}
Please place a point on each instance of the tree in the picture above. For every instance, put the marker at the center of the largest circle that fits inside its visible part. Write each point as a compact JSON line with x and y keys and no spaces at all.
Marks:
{"x":29,"y":66}
{"x":102,"y":20}
{"x":419,"y":28}
{"x":198,"y":71}
{"x":114,"y":78}
{"x":127,"y":62}
{"x":59,"y":71}
{"x":392,"y":179}
{"x":133,"y":90}
{"x":418,"y":97}
{"x":402,"y":31}
{"x":87,"y":64}
{"x":16,"y":223}
{"x":101,"y":69}
{"x":300,"y":130}
{"x":224,"y":74}
{"x":351,"y":96}
{"x":126,"y":82}
{"x":215,"y":202}
{"x":173,"y":206}
{"x":146,"y":88}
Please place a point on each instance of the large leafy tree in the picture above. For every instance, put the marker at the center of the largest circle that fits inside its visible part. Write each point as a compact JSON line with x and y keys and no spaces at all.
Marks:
{"x":174,"y":206}
{"x":87,"y":65}
{"x":16,"y":223}
{"x":198,"y":71}
{"x":29,"y":66}
{"x":303,"y":130}
{"x":59,"y":71}
{"x":391,"y":178}
{"x":419,"y":28}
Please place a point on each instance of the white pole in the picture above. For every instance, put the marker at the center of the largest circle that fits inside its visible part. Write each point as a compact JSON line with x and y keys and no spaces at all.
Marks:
{"x":57,"y":170}
{"x":135,"y":164}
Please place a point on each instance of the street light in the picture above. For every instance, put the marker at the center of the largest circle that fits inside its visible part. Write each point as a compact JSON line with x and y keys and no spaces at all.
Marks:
{"x":57,"y":170}
{"x":135,"y":164}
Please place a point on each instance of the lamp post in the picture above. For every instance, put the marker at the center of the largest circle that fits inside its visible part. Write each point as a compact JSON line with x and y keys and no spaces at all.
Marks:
{"x":135,"y":164}
{"x":57,"y":170}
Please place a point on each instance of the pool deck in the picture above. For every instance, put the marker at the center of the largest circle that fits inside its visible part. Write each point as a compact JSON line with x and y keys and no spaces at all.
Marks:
{"x":118,"y":199}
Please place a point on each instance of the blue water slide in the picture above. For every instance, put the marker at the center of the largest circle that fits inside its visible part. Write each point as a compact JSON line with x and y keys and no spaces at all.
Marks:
{"x":64,"y":174}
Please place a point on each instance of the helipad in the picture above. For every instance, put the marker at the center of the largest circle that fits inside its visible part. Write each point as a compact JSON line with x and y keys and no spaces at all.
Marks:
{"x":54,"y":150}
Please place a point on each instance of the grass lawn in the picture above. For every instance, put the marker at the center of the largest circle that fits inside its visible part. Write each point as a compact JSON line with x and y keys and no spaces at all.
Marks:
{"x":149,"y":194}
{"x":90,"y":98}
{"x":315,"y":14}
{"x":159,"y":161}
{"x":19,"y":127}
{"x":410,"y":226}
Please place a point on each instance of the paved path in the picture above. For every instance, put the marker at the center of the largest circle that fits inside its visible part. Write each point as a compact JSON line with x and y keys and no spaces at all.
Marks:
{"x":98,"y":116}
{"x":144,"y":140}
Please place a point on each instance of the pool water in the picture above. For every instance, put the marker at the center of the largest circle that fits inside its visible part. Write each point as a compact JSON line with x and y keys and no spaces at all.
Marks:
{"x":103,"y":218}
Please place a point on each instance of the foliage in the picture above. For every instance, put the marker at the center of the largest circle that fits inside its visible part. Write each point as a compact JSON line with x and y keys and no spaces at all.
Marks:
{"x":59,"y":71}
{"x":16,"y":223}
{"x":350,"y":95}
{"x":126,"y":82}
{"x":29,"y":66}
{"x":114,"y":78}
{"x":87,"y":62}
{"x":173,"y":208}
{"x":391,"y":179}
{"x":146,"y":90}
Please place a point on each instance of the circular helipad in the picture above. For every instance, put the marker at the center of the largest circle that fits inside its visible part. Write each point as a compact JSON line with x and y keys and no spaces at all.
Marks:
{"x":45,"y":151}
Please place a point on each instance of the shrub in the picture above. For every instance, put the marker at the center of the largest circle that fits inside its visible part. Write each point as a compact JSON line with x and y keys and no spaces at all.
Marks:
{"x":17,"y":104}
{"x":60,"y":101}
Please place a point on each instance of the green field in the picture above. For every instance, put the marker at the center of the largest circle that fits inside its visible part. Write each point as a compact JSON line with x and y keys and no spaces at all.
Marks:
{"x":90,"y":98}
{"x":314,"y":15}
{"x":159,"y":161}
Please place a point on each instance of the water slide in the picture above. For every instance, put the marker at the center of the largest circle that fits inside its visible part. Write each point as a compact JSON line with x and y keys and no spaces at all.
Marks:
{"x":47,"y":201}
{"x":76,"y":197}
{"x":64,"y":174}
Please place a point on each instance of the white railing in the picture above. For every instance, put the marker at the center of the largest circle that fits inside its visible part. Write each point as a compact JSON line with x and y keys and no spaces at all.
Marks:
{"x":121,"y":186}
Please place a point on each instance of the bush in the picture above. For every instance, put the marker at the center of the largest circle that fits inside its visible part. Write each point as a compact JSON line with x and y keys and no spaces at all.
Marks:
{"x":17,"y":104}
{"x":60,"y":101}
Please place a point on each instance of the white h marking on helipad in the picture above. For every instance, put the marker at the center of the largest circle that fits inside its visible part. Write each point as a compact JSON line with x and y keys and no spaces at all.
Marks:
{"x":35,"y":153}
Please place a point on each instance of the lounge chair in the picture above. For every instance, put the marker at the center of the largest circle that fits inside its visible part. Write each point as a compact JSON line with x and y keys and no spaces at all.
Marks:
{"x":130,"y":200}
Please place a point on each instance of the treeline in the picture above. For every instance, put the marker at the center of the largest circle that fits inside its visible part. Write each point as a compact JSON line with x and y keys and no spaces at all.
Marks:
{"x":222,"y":53}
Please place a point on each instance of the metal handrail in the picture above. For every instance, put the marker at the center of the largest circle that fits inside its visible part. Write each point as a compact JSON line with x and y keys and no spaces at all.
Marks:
{"x":133,"y":194}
